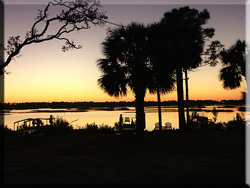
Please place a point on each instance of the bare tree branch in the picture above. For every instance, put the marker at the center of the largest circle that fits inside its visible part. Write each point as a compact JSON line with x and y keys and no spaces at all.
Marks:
{"x":73,"y":16}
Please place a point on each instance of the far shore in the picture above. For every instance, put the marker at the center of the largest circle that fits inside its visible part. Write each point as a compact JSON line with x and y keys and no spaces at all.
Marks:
{"x":147,"y":110}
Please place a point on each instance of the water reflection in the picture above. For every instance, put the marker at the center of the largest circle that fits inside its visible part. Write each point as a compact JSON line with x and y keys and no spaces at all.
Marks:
{"x":80,"y":119}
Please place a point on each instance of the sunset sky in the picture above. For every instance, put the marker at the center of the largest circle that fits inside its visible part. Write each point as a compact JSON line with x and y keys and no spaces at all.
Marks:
{"x":43,"y":73}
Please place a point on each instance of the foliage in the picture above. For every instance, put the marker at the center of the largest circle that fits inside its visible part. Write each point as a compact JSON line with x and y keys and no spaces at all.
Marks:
{"x":106,"y":128}
{"x":94,"y":128}
{"x":163,"y":70}
{"x":212,"y":53}
{"x":91,"y":127}
{"x":126,"y":65}
{"x":236,"y":125}
{"x":184,"y":38}
{"x":62,"y":123}
{"x":239,"y":124}
{"x":126,"y":60}
{"x":4,"y":128}
{"x":74,"y":15}
{"x":234,"y":65}
{"x":184,"y":33}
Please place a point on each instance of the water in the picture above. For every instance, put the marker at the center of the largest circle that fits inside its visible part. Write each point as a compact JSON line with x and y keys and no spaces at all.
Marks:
{"x":80,"y":119}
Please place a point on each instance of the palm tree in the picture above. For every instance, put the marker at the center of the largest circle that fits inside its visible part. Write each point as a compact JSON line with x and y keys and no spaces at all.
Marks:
{"x":185,"y":36}
{"x":126,"y":65}
{"x":163,"y":78}
{"x":234,"y":65}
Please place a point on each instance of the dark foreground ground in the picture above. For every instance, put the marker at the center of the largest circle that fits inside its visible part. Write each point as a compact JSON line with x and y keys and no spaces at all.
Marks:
{"x":181,"y":159}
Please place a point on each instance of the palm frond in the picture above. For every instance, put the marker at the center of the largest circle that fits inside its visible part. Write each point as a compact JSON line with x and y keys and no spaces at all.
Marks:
{"x":230,"y":77}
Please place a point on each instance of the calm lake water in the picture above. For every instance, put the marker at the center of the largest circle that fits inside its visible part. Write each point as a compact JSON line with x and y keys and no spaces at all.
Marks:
{"x":80,"y":119}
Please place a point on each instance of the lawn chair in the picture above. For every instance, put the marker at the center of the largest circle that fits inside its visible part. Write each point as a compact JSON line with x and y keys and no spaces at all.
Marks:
{"x":168,"y":126}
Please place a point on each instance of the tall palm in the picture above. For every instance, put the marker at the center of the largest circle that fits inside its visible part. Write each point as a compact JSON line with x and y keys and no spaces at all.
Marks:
{"x":186,"y":37}
{"x":234,"y":65}
{"x":126,"y":65}
{"x":163,"y":80}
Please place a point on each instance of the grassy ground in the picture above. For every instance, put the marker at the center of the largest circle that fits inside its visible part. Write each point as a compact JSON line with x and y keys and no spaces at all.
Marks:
{"x":177,"y":159}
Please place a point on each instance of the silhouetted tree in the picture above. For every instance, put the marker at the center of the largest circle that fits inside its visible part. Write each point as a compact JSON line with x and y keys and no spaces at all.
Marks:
{"x":234,"y":65}
{"x":185,"y":37}
{"x":72,"y":16}
{"x":163,"y":80}
{"x":126,"y":65}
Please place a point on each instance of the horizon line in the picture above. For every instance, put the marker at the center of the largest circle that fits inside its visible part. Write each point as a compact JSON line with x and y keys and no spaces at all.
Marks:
{"x":122,"y":101}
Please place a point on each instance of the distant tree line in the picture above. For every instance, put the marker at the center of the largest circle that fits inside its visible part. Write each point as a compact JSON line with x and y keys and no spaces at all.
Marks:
{"x":87,"y":105}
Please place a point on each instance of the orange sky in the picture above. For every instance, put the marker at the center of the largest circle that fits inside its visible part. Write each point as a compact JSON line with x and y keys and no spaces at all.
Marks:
{"x":44,"y":73}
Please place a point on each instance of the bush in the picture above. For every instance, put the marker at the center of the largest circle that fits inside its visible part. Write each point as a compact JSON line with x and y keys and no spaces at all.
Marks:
{"x":230,"y":125}
{"x":94,"y":128}
{"x":236,"y":125}
{"x":219,"y":126}
{"x":4,"y":128}
{"x":91,"y":128}
{"x":106,"y":128}
{"x":62,"y":123}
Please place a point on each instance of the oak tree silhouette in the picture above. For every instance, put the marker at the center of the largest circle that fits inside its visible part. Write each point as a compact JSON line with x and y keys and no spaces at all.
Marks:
{"x":68,"y":16}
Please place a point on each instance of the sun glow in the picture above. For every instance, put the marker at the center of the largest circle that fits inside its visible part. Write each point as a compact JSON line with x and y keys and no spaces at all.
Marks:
{"x":44,"y":73}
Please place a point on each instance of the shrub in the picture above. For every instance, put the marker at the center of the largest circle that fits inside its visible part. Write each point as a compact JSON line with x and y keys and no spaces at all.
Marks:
{"x":94,"y":128}
{"x":4,"y":128}
{"x":106,"y":128}
{"x":62,"y":123}
{"x":91,"y":128}
{"x":236,"y":125}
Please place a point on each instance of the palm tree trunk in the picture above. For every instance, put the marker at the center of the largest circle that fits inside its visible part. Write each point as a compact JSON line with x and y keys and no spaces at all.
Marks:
{"x":180,"y":98}
{"x":159,"y":109}
{"x":187,"y":99}
{"x":140,"y":115}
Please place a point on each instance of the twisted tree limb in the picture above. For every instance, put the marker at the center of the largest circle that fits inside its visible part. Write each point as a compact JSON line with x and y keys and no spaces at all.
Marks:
{"x":73,"y":16}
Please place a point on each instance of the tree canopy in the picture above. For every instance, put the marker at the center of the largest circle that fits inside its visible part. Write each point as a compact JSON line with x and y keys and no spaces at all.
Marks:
{"x":233,"y":61}
{"x":185,"y":36}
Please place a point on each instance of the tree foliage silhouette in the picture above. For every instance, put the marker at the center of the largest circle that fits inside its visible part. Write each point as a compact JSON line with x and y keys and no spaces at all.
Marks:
{"x":185,"y":38}
{"x":68,"y":16}
{"x":126,"y":65}
{"x":234,"y":65}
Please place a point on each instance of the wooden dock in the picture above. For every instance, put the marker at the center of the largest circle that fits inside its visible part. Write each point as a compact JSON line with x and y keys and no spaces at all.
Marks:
{"x":32,"y":123}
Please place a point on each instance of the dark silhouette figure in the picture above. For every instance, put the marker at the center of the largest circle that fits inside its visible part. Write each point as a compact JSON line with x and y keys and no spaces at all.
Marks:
{"x":51,"y":120}
{"x":120,"y":122}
